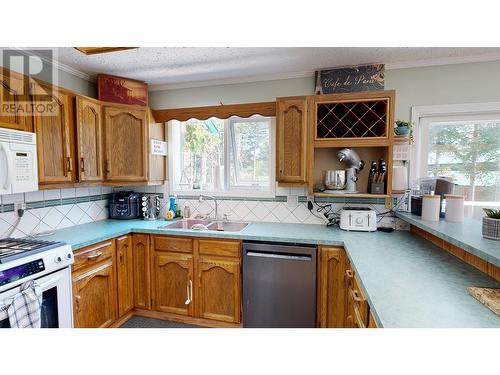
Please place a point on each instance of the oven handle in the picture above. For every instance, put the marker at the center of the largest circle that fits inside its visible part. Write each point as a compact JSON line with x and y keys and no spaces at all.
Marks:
{"x":46,"y":285}
{"x":10,"y":166}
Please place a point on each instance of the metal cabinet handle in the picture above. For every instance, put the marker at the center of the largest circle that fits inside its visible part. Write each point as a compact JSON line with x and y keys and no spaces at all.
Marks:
{"x":96,"y":255}
{"x":189,"y":292}
{"x":82,"y":164}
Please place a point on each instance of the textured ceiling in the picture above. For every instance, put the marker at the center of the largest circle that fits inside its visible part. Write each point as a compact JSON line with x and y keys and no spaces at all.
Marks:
{"x":178,"y":67}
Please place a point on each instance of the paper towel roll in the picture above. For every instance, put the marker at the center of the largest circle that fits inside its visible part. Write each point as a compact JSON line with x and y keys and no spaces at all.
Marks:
{"x":399,"y":178}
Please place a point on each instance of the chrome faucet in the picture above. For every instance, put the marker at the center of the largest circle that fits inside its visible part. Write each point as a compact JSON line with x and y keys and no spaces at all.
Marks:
{"x":200,"y":199}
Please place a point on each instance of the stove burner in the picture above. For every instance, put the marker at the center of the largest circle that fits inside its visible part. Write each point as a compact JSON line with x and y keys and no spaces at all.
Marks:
{"x":13,"y":248}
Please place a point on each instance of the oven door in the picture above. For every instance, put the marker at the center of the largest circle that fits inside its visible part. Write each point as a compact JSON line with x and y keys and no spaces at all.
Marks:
{"x":57,"y":304}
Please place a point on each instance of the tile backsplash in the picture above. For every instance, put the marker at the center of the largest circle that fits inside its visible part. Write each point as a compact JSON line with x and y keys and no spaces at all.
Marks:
{"x":48,"y":210}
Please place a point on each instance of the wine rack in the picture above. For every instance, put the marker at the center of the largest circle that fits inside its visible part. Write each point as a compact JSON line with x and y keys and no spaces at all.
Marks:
{"x":352,"y":119}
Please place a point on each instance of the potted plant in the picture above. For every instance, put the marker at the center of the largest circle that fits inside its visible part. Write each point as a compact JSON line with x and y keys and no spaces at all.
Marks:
{"x":402,"y":127}
{"x":491,"y":224}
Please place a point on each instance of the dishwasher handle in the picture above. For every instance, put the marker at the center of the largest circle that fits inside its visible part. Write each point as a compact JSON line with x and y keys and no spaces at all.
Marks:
{"x":266,"y":254}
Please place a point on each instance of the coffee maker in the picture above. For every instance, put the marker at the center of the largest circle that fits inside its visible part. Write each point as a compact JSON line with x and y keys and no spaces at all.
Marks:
{"x":150,"y":206}
{"x":428,"y":185}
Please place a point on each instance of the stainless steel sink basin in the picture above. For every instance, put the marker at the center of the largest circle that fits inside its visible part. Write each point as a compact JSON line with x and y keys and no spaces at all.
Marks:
{"x":187,"y":224}
{"x":227,"y":226}
{"x":198,"y":224}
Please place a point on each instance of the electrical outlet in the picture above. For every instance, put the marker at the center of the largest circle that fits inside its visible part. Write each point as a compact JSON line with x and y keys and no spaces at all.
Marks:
{"x":19,"y":206}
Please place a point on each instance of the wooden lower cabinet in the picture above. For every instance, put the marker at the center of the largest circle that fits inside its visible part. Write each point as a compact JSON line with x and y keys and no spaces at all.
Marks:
{"x":94,"y":293}
{"x":219,"y":288}
{"x":194,"y":280}
{"x":142,"y":271}
{"x":173,"y":283}
{"x":341,"y":303}
{"x":332,"y":302}
{"x":198,"y":278}
{"x":124,"y":268}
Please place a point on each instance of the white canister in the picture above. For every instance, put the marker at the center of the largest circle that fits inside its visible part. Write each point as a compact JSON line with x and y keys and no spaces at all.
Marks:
{"x":399,"y":178}
{"x":431,"y":206}
{"x":454,"y":208}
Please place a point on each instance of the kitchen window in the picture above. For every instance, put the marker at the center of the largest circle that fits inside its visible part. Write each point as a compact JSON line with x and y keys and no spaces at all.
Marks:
{"x":224,"y":157}
{"x":464,"y":146}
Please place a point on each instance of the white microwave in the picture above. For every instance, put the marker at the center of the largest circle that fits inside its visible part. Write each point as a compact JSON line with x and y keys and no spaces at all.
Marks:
{"x":18,"y":162}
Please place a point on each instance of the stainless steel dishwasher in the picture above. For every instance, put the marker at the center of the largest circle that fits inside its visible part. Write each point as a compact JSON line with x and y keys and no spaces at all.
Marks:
{"x":279,"y":285}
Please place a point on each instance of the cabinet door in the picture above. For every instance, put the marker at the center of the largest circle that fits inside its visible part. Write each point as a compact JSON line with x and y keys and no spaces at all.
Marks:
{"x":219,"y":289}
{"x":89,"y":139}
{"x":142,"y":274}
{"x":157,"y":163}
{"x":94,"y":293}
{"x":291,"y":122}
{"x":126,"y":144}
{"x":173,"y":283}
{"x":125,"y":274}
{"x":332,"y":301}
{"x":54,"y":132}
{"x":13,"y":92}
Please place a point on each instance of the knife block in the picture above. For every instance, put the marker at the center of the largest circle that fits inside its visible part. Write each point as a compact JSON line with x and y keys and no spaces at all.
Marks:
{"x":377,"y":188}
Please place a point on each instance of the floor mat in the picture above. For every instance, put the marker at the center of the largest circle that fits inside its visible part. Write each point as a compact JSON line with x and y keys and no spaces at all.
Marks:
{"x":142,"y":322}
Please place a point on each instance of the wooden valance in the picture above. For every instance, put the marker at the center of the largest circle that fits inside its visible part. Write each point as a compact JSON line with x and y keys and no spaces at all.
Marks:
{"x":220,"y":111}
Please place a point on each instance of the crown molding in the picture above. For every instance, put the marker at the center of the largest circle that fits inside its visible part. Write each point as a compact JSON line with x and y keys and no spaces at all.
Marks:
{"x":273,"y":77}
{"x":61,"y":66}
{"x":282,"y":76}
{"x":231,"y":81}
{"x":443,"y":61}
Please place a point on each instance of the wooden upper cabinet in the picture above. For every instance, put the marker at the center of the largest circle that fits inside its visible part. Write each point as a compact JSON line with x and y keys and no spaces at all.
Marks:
{"x":53,"y":123}
{"x":94,"y":293}
{"x":219,"y":289}
{"x":125,"y":274}
{"x":157,"y":163}
{"x":14,"y":91}
{"x":126,"y":135}
{"x":142,"y":271}
{"x":173,"y":282}
{"x":89,"y":139}
{"x":332,"y":296}
{"x":292,"y":116}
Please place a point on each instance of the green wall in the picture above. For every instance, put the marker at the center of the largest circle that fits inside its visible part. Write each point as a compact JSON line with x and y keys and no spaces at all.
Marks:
{"x":445,"y":84}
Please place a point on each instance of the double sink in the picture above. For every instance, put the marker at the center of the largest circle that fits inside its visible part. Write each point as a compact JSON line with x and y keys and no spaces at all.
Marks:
{"x":204,"y":225}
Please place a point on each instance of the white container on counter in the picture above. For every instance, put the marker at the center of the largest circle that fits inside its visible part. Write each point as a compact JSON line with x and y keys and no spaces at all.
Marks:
{"x":399,"y":178}
{"x":454,"y":208}
{"x":431,"y":206}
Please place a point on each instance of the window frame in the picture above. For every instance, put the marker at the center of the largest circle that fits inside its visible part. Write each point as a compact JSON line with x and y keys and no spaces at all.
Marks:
{"x":228,"y":191}
{"x":423,"y":116}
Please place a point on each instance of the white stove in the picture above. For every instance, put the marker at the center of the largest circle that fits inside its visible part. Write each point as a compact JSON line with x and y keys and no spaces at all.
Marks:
{"x":49,"y":264}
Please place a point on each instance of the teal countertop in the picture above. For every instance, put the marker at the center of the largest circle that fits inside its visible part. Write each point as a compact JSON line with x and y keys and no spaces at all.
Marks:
{"x":466,"y":235}
{"x":408,"y":281}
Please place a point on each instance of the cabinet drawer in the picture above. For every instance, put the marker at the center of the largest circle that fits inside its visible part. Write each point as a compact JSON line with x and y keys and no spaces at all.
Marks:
{"x":357,"y":318}
{"x":360,"y":302}
{"x":90,"y":255}
{"x":175,"y":244}
{"x":220,"y":247}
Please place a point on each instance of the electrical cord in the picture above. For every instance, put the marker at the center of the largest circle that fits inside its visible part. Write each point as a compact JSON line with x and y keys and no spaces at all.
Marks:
{"x":20,"y":214}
